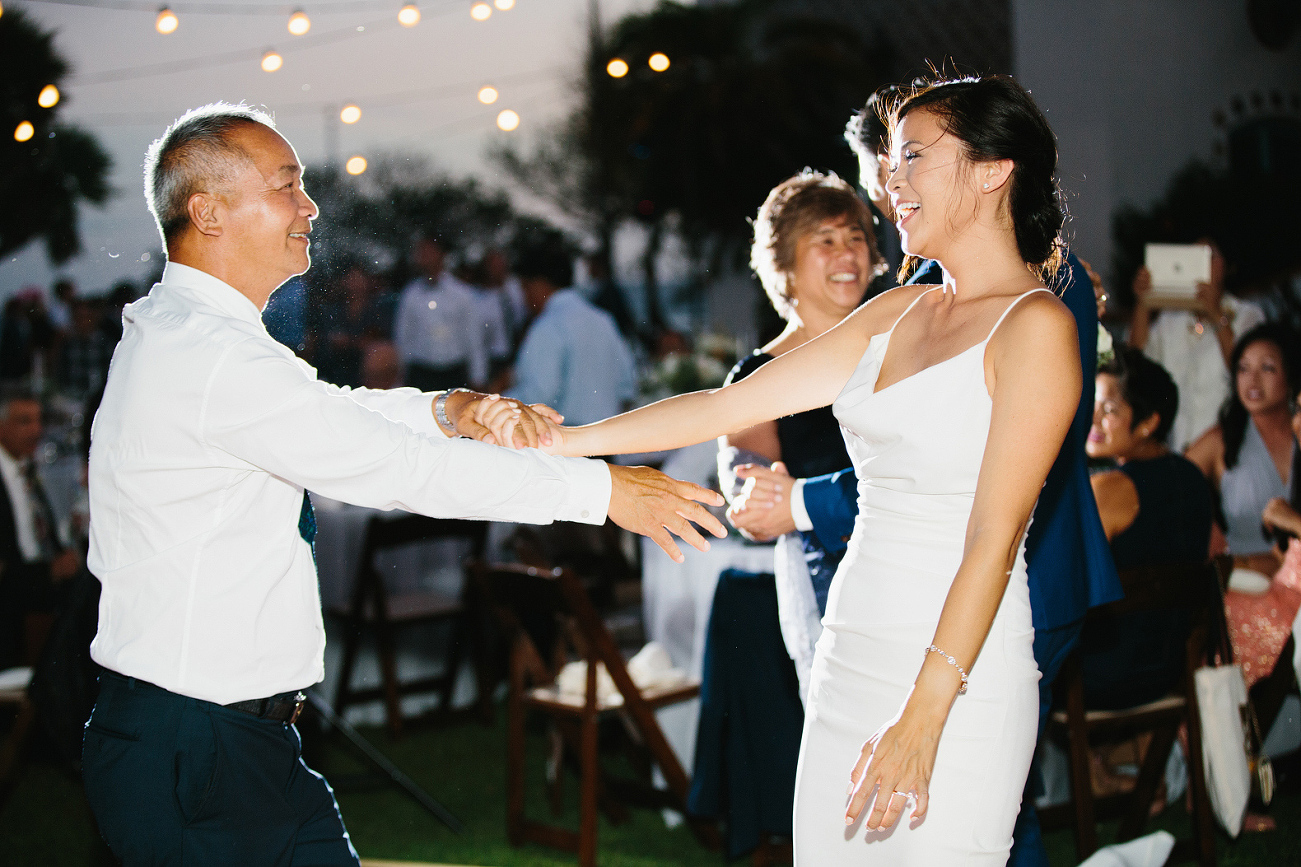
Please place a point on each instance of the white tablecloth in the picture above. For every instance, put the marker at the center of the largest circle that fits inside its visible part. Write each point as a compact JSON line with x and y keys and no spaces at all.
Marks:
{"x":676,"y":599}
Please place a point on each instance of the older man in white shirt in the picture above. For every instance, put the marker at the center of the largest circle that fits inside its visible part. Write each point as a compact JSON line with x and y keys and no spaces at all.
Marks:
{"x":209,"y":432}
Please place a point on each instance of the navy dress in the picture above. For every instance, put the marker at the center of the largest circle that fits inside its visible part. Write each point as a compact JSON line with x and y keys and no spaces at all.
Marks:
{"x":1132,"y":659}
{"x":751,"y":717}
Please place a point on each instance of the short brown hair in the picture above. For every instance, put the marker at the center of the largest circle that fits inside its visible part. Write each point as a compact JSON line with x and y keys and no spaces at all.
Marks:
{"x":793,"y":209}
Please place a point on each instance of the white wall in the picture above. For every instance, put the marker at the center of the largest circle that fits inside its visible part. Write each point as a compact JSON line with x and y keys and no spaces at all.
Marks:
{"x":1130,"y":88}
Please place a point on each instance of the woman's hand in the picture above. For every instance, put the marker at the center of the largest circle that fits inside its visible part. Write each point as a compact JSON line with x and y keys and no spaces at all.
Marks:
{"x":498,"y":420}
{"x":1142,"y":286}
{"x":1279,"y":515}
{"x":896,"y":763}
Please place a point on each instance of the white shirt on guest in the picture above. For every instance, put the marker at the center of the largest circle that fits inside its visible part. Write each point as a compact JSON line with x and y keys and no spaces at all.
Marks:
{"x":440,"y":323}
{"x":208,"y":433}
{"x":24,"y":520}
{"x":1196,"y":364}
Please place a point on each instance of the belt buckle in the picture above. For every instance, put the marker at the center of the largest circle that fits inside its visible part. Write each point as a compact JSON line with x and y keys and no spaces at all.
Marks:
{"x":300,"y":699}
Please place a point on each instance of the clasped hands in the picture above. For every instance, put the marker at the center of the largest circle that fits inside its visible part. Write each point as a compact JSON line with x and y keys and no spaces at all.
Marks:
{"x":642,"y":500}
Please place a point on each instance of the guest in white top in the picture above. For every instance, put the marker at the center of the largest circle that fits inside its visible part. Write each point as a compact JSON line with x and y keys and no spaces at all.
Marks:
{"x":34,"y":560}
{"x":200,"y":531}
{"x":438,"y":326}
{"x":1193,"y":345}
{"x":573,"y":358}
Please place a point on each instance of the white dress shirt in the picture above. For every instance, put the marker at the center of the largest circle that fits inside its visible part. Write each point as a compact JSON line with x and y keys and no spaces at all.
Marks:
{"x":208,"y":433}
{"x":1196,"y":364}
{"x":441,"y":324}
{"x":24,"y":521}
{"x":574,"y":359}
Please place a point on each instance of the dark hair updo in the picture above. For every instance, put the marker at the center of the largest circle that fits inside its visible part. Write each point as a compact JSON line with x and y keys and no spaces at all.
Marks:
{"x":1147,"y":387}
{"x":995,"y":119}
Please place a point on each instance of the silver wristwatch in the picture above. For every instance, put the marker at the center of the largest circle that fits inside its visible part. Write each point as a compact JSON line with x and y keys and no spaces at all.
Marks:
{"x":440,"y":410}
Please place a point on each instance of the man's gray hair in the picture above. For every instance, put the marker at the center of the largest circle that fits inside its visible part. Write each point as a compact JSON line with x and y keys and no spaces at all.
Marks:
{"x":196,"y":154}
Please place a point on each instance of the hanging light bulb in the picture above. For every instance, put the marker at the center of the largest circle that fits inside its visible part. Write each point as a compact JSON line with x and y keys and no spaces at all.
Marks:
{"x":658,"y":61}
{"x":49,"y":97}
{"x":504,"y":5}
{"x":487,"y":94}
{"x":617,"y":68}
{"x":409,"y":15}
{"x":167,"y":22}
{"x":271,"y":61}
{"x":355,"y":165}
{"x":480,"y":11}
{"x":24,"y":131}
{"x":350,"y":114}
{"x":299,"y":23}
{"x":507,"y":120}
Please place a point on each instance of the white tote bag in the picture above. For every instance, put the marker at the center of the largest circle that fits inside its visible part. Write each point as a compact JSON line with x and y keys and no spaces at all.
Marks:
{"x":1221,"y":694}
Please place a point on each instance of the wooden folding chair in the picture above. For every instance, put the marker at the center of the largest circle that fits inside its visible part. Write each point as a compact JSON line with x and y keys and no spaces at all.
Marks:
{"x":13,"y":693}
{"x":547,"y":619}
{"x":1193,"y":588}
{"x":373,"y":606}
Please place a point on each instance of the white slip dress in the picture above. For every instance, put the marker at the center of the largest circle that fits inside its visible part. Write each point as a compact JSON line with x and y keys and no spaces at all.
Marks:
{"x":917,"y":447}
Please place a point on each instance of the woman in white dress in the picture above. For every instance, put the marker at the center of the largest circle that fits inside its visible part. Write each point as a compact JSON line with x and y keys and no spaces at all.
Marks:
{"x":954,"y":400}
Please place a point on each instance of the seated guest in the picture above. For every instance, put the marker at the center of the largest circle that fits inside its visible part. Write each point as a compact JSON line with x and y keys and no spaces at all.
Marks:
{"x":84,"y":353}
{"x":34,"y":562}
{"x":1156,"y":509}
{"x":1248,"y":455}
{"x":1261,"y":623}
{"x":573,"y":358}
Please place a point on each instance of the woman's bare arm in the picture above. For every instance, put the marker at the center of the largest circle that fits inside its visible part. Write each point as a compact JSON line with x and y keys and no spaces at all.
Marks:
{"x":1208,"y":454}
{"x":805,"y":378}
{"x":1037,"y":382}
{"x":1117,"y":500}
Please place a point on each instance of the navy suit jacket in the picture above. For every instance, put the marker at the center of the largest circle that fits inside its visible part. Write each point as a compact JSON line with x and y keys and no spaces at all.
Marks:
{"x":1067,"y":556}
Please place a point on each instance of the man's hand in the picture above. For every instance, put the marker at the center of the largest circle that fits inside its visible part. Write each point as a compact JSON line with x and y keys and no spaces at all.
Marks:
{"x":498,"y":420}
{"x":64,"y":566}
{"x":762,"y":511}
{"x":648,"y":502}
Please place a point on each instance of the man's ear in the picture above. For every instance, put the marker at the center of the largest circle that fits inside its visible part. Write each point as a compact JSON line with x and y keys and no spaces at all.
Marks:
{"x":994,"y":174}
{"x":206,"y":213}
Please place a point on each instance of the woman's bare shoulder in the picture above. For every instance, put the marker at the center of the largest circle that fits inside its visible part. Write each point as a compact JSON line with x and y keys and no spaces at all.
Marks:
{"x":1037,"y":320}
{"x":879,"y":314}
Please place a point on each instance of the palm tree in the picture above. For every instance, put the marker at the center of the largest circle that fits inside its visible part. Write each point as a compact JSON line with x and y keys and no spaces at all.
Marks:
{"x":45,"y":178}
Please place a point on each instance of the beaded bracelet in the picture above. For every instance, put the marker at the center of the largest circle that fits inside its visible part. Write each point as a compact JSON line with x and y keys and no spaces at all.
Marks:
{"x":962,"y":690}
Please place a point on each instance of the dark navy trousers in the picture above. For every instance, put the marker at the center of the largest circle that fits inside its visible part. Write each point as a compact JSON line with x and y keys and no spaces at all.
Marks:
{"x":177,"y":780}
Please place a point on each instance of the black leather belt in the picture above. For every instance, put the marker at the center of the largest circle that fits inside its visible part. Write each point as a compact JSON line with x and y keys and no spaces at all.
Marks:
{"x":283,"y":708}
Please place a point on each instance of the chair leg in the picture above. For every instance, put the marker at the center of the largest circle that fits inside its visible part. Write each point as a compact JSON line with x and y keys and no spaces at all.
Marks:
{"x":455,"y":653}
{"x":1203,"y":824}
{"x":515,"y":754}
{"x":588,"y":793}
{"x":13,"y":747}
{"x":351,"y":643}
{"x":388,"y":669}
{"x":1086,"y":829}
{"x":1150,"y":774}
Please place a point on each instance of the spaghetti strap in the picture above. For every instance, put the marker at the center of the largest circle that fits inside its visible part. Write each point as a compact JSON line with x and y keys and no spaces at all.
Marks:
{"x":909,"y":308}
{"x":1009,"y":309}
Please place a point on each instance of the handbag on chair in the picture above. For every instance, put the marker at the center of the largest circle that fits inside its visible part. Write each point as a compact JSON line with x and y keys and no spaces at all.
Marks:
{"x":1221,"y":697}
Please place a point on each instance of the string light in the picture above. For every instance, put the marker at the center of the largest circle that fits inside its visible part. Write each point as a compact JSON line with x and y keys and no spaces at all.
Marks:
{"x":299,"y":23}
{"x":504,"y":5}
{"x":409,"y":16}
{"x":355,"y":165}
{"x":167,"y":22}
{"x":480,"y":11}
{"x":507,"y":120}
{"x":24,"y":131}
{"x":49,"y":97}
{"x":272,"y":61}
{"x":350,"y":114}
{"x":487,"y":94}
{"x":658,"y":61}
{"x":617,"y":68}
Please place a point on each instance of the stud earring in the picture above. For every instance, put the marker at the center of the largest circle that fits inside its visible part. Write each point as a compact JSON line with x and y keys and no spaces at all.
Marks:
{"x":986,"y":186}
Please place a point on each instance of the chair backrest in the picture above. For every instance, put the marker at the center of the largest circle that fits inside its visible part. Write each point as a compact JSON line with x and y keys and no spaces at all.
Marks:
{"x":1193,"y":588}
{"x":526,"y":599}
{"x":383,"y":532}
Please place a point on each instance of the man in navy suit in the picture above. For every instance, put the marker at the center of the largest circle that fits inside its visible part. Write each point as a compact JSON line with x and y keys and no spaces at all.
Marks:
{"x":1067,"y":556}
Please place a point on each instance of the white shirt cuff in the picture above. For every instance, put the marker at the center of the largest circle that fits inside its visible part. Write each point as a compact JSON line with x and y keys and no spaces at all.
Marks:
{"x":799,"y":514}
{"x":589,"y":491}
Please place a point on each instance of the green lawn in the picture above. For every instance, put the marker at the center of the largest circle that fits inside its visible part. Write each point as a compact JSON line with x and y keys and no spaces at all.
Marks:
{"x":46,"y":821}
